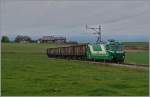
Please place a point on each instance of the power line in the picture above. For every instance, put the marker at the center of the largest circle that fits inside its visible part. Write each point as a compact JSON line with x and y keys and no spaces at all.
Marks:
{"x":97,"y":31}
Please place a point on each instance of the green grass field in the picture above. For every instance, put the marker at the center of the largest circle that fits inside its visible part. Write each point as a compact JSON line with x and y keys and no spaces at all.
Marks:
{"x":27,"y":71}
{"x":137,"y":45}
{"x":137,"y":57}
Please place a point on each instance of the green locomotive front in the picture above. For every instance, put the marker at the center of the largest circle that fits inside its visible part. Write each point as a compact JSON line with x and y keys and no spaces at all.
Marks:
{"x":112,"y":51}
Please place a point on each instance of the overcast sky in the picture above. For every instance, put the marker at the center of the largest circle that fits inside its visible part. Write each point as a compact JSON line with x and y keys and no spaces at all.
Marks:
{"x":123,"y":20}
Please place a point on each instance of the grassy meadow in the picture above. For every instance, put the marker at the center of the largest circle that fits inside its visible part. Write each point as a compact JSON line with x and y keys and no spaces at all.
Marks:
{"x":27,"y":71}
{"x":136,"y":45}
{"x":141,"y":57}
{"x":137,"y":52}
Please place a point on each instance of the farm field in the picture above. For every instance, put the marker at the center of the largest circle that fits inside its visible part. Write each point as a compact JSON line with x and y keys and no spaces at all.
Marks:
{"x":27,"y":71}
{"x":137,"y":52}
{"x":141,"y":57}
{"x":136,"y":45}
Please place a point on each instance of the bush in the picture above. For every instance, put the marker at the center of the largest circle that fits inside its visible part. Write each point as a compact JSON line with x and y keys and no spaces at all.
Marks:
{"x":20,"y":38}
{"x":5,"y":39}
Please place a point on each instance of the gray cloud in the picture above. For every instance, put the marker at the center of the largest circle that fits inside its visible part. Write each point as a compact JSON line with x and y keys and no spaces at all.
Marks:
{"x":68,"y":18}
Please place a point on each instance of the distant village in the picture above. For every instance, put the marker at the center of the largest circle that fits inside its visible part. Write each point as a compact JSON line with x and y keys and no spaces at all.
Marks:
{"x":44,"y":39}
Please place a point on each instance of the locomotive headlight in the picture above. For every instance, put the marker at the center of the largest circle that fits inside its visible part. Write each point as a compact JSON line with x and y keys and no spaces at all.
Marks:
{"x":112,"y":51}
{"x":119,"y":52}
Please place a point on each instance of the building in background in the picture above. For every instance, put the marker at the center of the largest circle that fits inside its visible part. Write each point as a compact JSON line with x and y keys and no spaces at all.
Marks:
{"x":52,"y":39}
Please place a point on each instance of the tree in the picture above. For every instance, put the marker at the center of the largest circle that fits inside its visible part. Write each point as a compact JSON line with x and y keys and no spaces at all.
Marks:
{"x":5,"y":39}
{"x":21,"y":38}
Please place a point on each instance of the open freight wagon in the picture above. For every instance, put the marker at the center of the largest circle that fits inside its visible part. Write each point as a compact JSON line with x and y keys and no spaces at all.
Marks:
{"x":73,"y":52}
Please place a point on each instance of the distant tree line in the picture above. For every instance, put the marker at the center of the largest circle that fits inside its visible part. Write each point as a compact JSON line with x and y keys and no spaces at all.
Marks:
{"x":22,"y":39}
{"x":18,"y":39}
{"x":27,"y":39}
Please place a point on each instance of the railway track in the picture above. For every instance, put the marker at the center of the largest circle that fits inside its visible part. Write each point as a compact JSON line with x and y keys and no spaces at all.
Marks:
{"x":129,"y":65}
{"x":136,"y":66}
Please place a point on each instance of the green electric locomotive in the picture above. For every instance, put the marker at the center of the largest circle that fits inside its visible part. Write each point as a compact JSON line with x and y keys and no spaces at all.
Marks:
{"x":109,"y":51}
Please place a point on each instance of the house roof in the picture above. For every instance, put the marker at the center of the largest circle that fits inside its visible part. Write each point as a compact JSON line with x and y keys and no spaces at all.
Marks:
{"x":47,"y":38}
{"x":52,"y":38}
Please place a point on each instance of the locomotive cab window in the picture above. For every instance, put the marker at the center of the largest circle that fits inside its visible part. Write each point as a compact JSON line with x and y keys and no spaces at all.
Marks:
{"x":97,"y":48}
{"x":120,"y":47}
{"x":117,"y":47}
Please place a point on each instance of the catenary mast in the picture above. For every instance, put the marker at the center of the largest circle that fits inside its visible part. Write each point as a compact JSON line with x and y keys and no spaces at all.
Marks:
{"x":97,"y":30}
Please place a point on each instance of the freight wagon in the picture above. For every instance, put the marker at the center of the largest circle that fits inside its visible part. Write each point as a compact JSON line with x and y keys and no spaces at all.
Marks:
{"x":74,"y":51}
{"x":111,"y":51}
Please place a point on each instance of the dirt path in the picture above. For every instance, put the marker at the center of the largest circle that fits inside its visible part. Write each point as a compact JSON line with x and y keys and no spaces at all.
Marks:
{"x":135,"y":66}
{"x":136,"y":50}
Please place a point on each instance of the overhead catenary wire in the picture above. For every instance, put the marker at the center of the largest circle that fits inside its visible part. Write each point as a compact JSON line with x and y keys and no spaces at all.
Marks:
{"x":97,"y":30}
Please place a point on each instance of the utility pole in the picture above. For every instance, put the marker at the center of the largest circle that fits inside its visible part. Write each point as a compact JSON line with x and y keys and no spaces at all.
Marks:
{"x":97,"y":31}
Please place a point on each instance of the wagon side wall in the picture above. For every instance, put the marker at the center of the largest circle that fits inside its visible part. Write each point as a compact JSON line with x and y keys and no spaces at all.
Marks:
{"x":78,"y":50}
